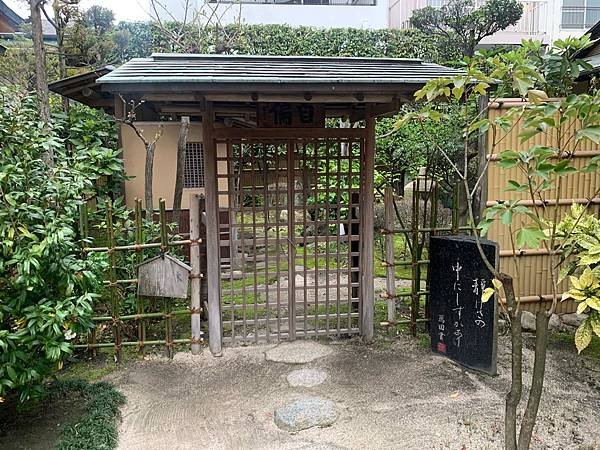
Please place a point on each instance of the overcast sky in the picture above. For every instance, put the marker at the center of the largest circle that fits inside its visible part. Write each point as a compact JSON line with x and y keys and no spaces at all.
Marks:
{"x":123,"y":9}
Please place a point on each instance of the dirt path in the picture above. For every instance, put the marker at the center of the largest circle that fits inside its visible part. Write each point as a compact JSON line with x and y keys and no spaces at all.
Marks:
{"x":389,"y":395}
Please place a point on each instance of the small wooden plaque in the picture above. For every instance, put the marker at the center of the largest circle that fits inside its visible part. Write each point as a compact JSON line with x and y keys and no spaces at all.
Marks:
{"x":290,"y":115}
{"x":163,"y":276}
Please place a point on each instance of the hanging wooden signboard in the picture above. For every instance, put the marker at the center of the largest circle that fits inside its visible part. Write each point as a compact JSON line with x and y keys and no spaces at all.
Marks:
{"x":462,"y":327}
{"x":290,"y":115}
{"x":163,"y":276}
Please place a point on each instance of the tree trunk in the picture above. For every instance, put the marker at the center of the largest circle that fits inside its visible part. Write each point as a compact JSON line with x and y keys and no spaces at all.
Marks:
{"x":60,"y":46}
{"x":181,"y":148}
{"x":537,"y":381}
{"x":148,"y":179}
{"x":41,"y":79}
{"x":513,"y":397}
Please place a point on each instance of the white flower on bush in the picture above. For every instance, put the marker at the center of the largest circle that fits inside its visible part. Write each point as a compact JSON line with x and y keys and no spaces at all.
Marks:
{"x":69,"y":335}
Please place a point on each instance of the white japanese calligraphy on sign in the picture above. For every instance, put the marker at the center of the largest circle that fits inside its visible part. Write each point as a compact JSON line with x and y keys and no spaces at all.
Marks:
{"x":458,"y":324}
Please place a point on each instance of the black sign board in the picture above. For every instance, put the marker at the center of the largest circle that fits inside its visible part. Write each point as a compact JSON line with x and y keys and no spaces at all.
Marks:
{"x":290,"y":115}
{"x":462,"y":327}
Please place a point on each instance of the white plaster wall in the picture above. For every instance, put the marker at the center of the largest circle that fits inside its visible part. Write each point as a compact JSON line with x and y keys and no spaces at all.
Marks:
{"x":324,"y":16}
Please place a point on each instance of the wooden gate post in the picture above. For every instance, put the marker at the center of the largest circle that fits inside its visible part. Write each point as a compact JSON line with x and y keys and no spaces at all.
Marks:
{"x":366,"y":240}
{"x":195,"y":301}
{"x":213,"y":257}
{"x":390,"y":258}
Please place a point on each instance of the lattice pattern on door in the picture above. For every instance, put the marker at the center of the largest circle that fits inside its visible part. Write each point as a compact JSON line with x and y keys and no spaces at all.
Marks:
{"x":290,"y":249}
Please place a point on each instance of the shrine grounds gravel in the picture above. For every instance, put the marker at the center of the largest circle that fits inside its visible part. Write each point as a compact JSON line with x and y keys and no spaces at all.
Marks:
{"x":391,"y":394}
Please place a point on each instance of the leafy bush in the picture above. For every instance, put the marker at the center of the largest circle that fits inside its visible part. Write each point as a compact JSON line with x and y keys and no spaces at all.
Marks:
{"x":46,"y":287}
{"x":145,"y":38}
{"x":580,"y":241}
{"x":400,"y":154}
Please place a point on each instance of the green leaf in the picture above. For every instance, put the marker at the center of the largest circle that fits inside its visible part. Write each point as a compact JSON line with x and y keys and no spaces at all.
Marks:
{"x":536,"y":96}
{"x":497,"y":283}
{"x":487,"y":294}
{"x":482,"y":125}
{"x":592,"y":133}
{"x":458,"y":92}
{"x":517,"y":187}
{"x":522,"y":83}
{"x":528,"y":133}
{"x":506,"y":217}
{"x":594,"y":302}
{"x":564,"y":168}
{"x":595,"y":322}
{"x":583,"y":335}
{"x":530,"y":236}
{"x":484,"y":226}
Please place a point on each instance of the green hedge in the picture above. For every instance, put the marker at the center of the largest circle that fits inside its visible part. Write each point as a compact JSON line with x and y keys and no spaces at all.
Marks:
{"x":145,"y":38}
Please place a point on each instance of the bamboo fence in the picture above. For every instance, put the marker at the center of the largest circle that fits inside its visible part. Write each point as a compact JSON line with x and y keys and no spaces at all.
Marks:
{"x":115,"y":319}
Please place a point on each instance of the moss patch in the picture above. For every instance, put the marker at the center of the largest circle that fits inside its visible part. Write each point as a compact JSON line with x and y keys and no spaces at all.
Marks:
{"x":568,"y":339}
{"x":73,"y":414}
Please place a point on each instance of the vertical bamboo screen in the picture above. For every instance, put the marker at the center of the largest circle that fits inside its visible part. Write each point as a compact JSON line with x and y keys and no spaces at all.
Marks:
{"x":533,"y":284}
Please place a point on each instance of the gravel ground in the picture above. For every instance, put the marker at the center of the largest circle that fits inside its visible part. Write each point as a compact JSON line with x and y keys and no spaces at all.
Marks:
{"x":387,"y":395}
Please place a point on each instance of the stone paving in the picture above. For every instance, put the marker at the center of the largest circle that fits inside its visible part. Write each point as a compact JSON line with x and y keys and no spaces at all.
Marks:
{"x":306,"y":377}
{"x":307,"y":411}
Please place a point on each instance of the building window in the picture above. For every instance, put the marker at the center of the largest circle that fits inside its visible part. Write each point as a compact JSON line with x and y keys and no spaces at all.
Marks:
{"x":579,"y":14}
{"x":436,"y":3}
{"x":193,"y":173}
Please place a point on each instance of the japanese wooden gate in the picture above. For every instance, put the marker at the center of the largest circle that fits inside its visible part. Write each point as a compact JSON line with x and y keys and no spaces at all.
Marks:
{"x":295,"y":257}
{"x":292,"y":245}
{"x":292,"y":254}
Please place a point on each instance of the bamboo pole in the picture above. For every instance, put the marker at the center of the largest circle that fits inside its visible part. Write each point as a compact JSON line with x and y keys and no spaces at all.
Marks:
{"x":455,"y":208}
{"x":164,"y":248}
{"x":83,"y":231}
{"x":432,"y":225}
{"x":156,"y":315}
{"x":366,"y":242}
{"x":112,"y":275}
{"x":415,"y":285}
{"x":195,"y":274}
{"x":136,"y":246}
{"x":132,"y":343}
{"x":425,"y":230}
{"x":139,"y":259}
{"x":389,"y":255}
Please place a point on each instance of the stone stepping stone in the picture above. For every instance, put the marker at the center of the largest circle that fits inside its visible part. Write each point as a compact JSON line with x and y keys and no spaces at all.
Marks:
{"x":297,"y":352}
{"x":306,"y":377}
{"x":304,"y":413}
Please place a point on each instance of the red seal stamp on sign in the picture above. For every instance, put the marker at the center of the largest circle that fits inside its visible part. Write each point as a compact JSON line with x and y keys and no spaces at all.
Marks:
{"x":441,"y":347}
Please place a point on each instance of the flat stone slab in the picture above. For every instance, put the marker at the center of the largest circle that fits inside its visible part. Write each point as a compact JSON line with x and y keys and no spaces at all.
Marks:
{"x":306,"y":413}
{"x":298,"y":352}
{"x":306,"y":377}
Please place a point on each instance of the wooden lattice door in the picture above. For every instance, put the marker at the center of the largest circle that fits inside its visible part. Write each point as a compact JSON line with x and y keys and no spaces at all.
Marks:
{"x":290,"y":246}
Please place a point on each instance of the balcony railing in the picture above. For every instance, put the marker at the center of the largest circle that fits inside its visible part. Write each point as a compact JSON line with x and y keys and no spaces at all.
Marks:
{"x":302,"y":2}
{"x":532,"y":22}
{"x":580,"y":17}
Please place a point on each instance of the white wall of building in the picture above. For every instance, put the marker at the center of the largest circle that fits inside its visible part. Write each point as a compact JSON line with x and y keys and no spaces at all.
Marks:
{"x":324,"y":16}
{"x":541,"y":20}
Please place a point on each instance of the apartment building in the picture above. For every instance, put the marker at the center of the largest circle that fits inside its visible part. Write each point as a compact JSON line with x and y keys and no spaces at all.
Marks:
{"x":545,"y":20}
